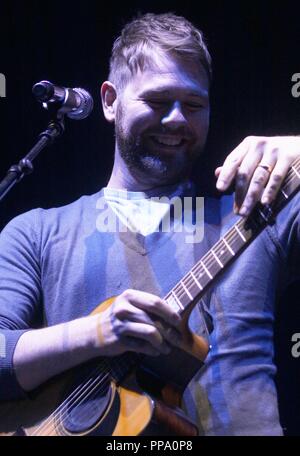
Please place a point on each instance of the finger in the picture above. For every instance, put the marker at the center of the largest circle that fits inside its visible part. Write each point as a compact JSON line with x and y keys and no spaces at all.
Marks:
{"x":259,"y":179}
{"x":255,"y":190}
{"x":217,"y":171}
{"x":231,"y":165}
{"x":128,"y":312}
{"x":146,"y":333}
{"x":140,"y":346}
{"x":170,"y":334}
{"x":276,"y":178}
{"x":134,"y":314}
{"x":154,"y":305}
{"x":245,"y":173}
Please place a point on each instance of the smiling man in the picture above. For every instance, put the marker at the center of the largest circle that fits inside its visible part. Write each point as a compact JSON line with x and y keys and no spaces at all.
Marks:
{"x":57,"y":265}
{"x":161,"y":118}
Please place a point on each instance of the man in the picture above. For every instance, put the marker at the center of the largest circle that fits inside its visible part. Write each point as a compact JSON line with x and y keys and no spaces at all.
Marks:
{"x":56,"y":266}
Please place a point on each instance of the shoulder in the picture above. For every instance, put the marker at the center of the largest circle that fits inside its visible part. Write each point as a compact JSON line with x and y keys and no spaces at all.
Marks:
{"x":31,"y":223}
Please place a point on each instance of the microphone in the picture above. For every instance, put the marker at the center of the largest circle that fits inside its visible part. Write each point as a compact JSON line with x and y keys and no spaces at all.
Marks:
{"x":76,"y":103}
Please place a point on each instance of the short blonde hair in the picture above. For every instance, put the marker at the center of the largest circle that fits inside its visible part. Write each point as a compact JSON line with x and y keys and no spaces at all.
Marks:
{"x":160,"y":33}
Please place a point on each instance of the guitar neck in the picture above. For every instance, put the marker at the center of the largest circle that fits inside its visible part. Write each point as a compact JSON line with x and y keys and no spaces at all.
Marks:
{"x":195,"y":283}
{"x":187,"y":292}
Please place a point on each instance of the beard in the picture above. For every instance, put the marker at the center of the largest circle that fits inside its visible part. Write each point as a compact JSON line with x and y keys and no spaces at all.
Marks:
{"x":143,"y":159}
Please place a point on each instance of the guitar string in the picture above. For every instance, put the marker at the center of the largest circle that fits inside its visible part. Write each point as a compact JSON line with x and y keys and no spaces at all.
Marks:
{"x":83,"y":388}
{"x":77,"y":399}
{"x":47,"y":424}
{"x":62,"y":410}
{"x":68,"y":403}
{"x":76,"y":394}
{"x":216,"y":251}
{"x":102,"y":382}
{"x":80,"y":388}
{"x":208,"y":258}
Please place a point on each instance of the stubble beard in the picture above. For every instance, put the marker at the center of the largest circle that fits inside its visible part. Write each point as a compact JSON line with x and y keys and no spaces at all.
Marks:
{"x":152,"y":165}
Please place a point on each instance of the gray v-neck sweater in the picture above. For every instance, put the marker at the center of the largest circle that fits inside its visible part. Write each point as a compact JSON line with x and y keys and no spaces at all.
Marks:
{"x":56,"y":265}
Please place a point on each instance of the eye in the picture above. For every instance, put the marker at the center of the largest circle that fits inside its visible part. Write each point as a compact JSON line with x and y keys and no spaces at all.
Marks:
{"x":194,"y":106}
{"x":156,"y":103}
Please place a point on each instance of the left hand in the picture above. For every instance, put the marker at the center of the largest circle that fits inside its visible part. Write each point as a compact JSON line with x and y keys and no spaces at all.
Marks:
{"x":259,"y":165}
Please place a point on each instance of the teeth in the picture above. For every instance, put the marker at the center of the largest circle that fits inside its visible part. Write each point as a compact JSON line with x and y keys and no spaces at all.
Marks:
{"x":168,"y":141}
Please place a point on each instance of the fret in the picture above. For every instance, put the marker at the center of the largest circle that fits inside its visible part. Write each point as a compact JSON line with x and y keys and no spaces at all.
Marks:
{"x":177,"y":299}
{"x":296,"y":171}
{"x":228,"y":246}
{"x":240,"y":233}
{"x":221,"y":253}
{"x":186,"y":290}
{"x":206,"y":270}
{"x":194,"y":284}
{"x":284,"y":194}
{"x":218,"y":260}
{"x":196,"y":281}
{"x":173,"y":302}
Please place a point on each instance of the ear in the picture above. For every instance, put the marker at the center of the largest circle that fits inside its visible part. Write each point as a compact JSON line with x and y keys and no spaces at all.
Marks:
{"x":108,"y":98}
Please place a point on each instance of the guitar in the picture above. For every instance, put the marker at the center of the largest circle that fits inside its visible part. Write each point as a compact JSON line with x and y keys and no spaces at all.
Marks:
{"x":135,"y":394}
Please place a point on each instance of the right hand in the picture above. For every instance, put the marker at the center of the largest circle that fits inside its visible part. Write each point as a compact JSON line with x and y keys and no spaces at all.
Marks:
{"x":140,"y":322}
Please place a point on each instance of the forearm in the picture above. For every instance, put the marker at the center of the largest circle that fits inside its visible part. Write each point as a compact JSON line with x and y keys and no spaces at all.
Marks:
{"x":42,"y":353}
{"x":124,"y":326}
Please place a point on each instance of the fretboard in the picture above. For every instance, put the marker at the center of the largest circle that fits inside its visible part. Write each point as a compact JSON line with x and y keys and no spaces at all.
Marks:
{"x":196,"y":282}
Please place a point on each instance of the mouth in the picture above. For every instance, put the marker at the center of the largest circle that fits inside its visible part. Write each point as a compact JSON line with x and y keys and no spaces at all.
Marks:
{"x":166,"y":141}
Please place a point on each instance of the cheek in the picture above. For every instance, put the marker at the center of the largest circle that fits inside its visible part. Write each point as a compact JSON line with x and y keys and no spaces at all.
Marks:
{"x":138,"y":120}
{"x":201,"y":125}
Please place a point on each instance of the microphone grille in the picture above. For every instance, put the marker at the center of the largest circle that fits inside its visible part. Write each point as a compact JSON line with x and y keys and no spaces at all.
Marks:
{"x":85,"y":107}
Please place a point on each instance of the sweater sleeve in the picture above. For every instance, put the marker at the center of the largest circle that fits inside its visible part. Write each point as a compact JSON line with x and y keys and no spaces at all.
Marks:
{"x":20,"y":294}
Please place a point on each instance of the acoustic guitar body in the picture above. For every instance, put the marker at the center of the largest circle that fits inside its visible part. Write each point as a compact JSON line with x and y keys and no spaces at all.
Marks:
{"x":87,"y":400}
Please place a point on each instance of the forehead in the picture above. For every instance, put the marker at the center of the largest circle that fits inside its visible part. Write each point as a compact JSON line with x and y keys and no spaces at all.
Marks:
{"x":168,"y":74}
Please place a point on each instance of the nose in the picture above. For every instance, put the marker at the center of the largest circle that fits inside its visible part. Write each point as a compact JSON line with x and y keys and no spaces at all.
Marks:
{"x":174,"y":117}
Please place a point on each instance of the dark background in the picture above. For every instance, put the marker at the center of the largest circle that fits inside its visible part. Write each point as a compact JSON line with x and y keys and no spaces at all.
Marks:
{"x":255,"y":49}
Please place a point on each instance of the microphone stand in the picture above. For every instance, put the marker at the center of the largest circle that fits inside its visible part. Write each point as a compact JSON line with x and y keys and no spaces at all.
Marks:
{"x":15,"y":173}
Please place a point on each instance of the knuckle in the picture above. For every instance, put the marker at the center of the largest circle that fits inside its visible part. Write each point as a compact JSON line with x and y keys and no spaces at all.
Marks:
{"x":119,"y":310}
{"x":252,"y":194}
{"x":276,"y":178}
{"x":121,"y":313}
{"x":271,"y":189}
{"x":150,"y":330}
{"x":274,"y":152}
{"x":259,"y":179}
{"x":233,"y":159}
{"x":127,"y":294}
{"x":252,"y":139}
{"x":117,"y":328}
{"x":157,"y":302}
